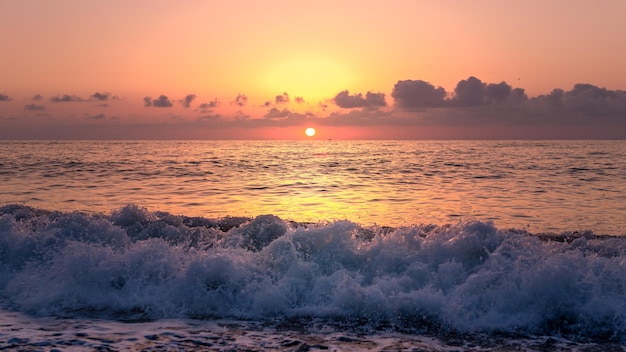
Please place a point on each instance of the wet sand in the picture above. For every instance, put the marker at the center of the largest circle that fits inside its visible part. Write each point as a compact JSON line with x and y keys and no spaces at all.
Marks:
{"x":25,"y":333}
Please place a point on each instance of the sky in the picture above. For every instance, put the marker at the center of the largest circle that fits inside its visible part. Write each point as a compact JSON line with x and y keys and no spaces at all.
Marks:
{"x":247,"y":69}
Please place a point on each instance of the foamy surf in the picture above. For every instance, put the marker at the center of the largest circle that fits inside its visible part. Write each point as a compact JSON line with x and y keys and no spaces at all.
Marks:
{"x":448,"y":287}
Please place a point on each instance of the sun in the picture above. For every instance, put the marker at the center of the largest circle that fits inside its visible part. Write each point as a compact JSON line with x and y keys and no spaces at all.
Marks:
{"x":310,"y":131}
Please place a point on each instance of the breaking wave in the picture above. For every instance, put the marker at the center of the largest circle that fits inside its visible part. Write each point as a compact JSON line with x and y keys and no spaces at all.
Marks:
{"x":468,"y":277}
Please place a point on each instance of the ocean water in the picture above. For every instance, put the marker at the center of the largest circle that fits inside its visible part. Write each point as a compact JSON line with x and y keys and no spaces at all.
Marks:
{"x":313,"y":245}
{"x":541,"y":186}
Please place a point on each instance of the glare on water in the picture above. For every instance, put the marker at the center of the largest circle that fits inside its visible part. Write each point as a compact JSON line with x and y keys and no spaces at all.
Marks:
{"x":540,"y":185}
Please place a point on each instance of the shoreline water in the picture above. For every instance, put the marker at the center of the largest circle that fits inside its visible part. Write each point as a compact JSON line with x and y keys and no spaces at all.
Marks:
{"x":21,"y":332}
{"x":468,"y":278}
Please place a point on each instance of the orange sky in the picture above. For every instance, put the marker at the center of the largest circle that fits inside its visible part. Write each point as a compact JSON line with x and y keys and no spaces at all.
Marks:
{"x":83,"y":69}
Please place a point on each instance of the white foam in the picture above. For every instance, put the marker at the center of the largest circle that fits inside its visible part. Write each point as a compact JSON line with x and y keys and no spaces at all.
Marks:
{"x":468,"y":277}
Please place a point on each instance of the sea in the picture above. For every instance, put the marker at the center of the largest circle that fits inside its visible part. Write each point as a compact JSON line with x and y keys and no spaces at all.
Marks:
{"x":313,"y":245}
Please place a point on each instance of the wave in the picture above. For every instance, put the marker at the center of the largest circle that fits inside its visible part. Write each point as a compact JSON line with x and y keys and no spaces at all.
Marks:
{"x":469,"y":277}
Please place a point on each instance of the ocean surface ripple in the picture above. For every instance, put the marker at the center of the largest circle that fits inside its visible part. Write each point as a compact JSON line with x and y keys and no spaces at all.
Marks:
{"x":541,"y":186}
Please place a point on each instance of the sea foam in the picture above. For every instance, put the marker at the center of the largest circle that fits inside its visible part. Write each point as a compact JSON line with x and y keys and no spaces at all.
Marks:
{"x":469,"y":277}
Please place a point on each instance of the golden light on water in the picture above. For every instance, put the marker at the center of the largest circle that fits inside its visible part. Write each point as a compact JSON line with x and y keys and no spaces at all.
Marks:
{"x":310,"y":131}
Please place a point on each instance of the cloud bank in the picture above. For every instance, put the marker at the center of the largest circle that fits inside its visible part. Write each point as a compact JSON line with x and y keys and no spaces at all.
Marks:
{"x":282,"y":99}
{"x":473,"y":109}
{"x":207,"y":107}
{"x":101,"y":96}
{"x":161,"y":102}
{"x":345,"y":100}
{"x":66,"y":98}
{"x":417,"y":94}
{"x":474,"y":103}
{"x":241,"y":100}
{"x":186,"y":102}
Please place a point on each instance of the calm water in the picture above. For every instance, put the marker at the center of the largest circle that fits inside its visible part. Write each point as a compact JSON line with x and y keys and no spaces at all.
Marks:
{"x":542,"y":186}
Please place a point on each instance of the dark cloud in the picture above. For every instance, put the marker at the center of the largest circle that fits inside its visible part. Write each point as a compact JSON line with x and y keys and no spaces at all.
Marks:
{"x":517,"y":96}
{"x":267,"y":104}
{"x":34,"y":107}
{"x":241,"y":100}
{"x":474,"y":109}
{"x":204,"y":107}
{"x":502,"y":105}
{"x":275,"y":113}
{"x":591,"y":92}
{"x":161,"y":102}
{"x":65,"y":98}
{"x":37,"y":97}
{"x":469,"y":92}
{"x":475,"y":104}
{"x":375,"y":99}
{"x":282,"y":99}
{"x":345,"y":100}
{"x":555,"y":98}
{"x":418,"y":94}
{"x":105,"y":96}
{"x":497,"y":93}
{"x":473,"y":92}
{"x":187,"y":101}
{"x":284,"y":117}
{"x":4,"y":97}
{"x":101,"y":96}
{"x":584,"y":101}
{"x":588,"y":100}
